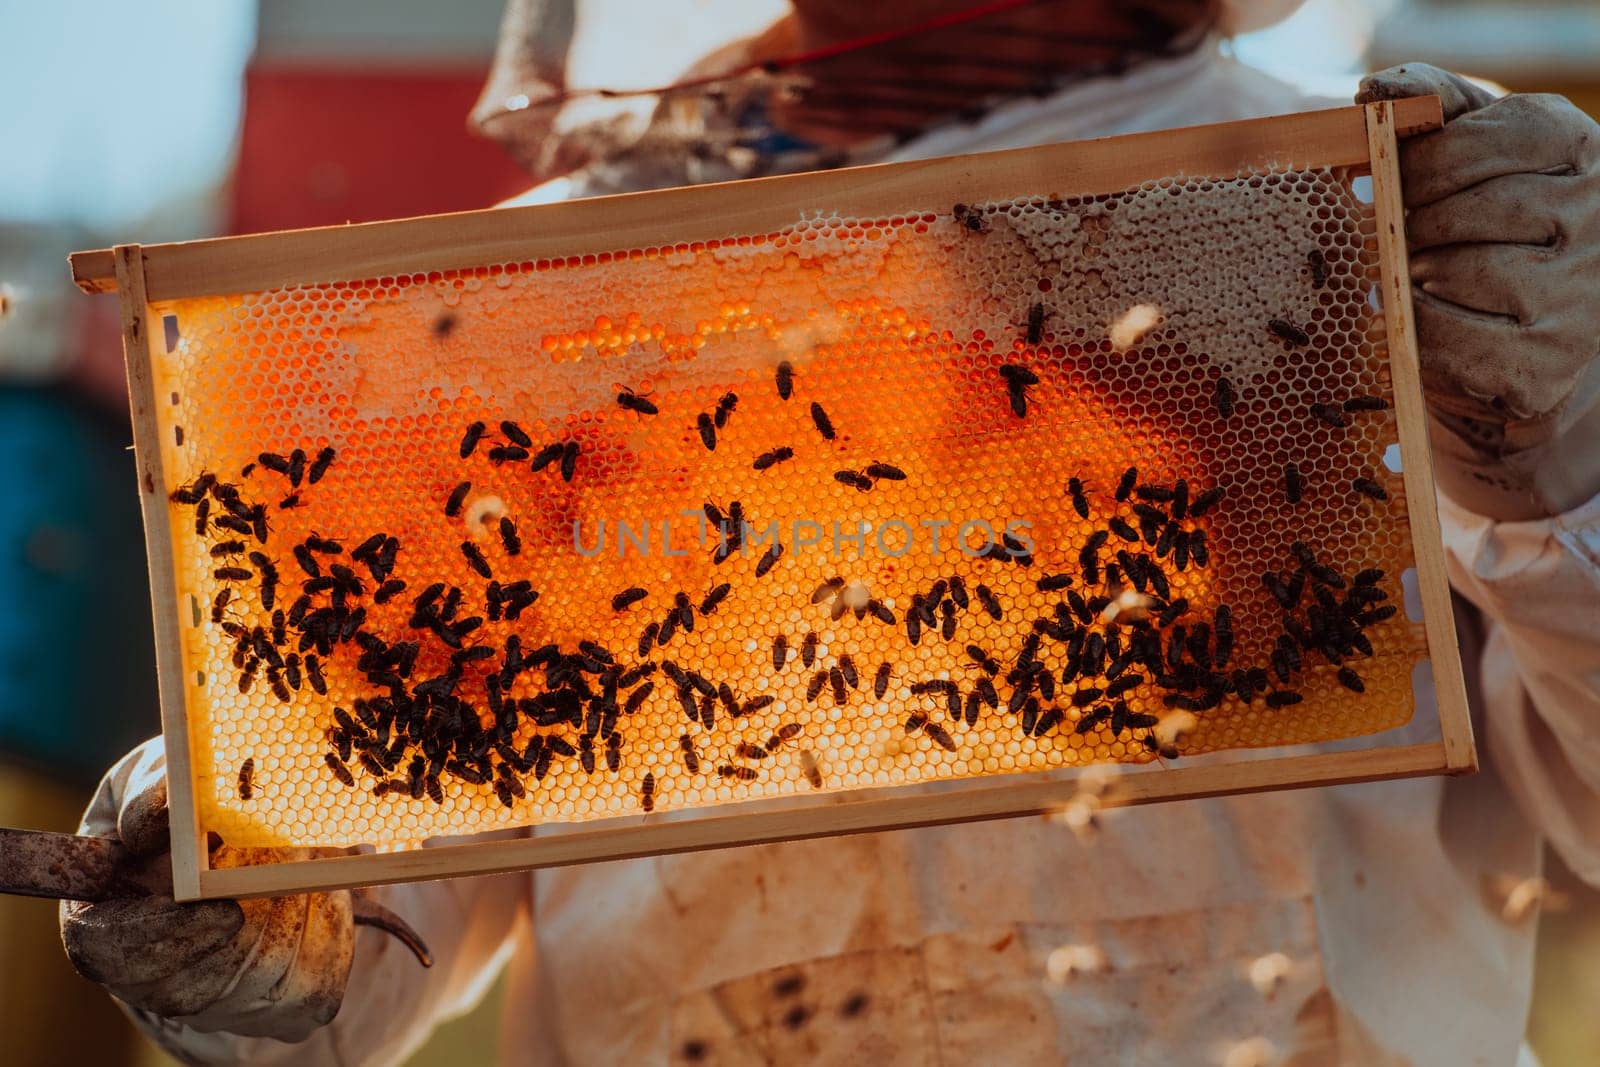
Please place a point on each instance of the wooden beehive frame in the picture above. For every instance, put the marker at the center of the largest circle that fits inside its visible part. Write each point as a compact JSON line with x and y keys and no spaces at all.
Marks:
{"x":1354,"y":137}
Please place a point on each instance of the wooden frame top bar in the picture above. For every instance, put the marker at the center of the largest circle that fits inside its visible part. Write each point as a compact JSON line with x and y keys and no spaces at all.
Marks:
{"x":1333,"y":137}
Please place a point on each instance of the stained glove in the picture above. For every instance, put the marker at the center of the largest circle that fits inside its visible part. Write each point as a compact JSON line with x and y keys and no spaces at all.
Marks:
{"x":258,"y":968}
{"x":1503,"y":223}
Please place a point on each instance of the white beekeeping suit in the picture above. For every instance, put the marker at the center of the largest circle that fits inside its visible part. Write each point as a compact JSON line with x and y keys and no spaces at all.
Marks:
{"x":1358,"y":925}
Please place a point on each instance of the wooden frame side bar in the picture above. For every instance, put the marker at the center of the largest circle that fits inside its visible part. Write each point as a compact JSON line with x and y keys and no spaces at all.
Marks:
{"x":188,"y":855}
{"x":1333,"y":137}
{"x":1416,"y":458}
{"x":648,"y":837}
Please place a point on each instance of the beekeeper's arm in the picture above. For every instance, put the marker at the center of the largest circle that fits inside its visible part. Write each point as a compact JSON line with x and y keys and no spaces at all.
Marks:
{"x":287,"y":980}
{"x":1503,"y":220}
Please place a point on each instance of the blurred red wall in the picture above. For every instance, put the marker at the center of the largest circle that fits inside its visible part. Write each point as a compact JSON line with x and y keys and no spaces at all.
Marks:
{"x":328,"y":145}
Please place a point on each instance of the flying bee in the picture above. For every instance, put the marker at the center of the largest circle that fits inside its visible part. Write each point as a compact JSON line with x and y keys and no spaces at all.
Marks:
{"x":784,"y":377}
{"x":770,"y":458}
{"x":1288,"y":331}
{"x":827,"y":591}
{"x":810,"y":768}
{"x":247,"y":775}
{"x":1080,"y":503}
{"x":632,"y":401}
{"x":823,"y":423}
{"x":708,"y":431}
{"x":725,"y":406}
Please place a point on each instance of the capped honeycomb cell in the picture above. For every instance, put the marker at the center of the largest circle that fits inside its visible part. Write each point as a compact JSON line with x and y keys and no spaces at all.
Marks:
{"x":969,"y":490}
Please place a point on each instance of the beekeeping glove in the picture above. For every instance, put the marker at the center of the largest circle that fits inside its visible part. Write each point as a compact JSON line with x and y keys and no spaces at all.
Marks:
{"x":258,"y":968}
{"x":1503,"y":224}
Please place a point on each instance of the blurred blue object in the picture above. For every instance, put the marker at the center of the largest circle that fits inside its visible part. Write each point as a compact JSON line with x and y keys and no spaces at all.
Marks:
{"x":77,"y":649}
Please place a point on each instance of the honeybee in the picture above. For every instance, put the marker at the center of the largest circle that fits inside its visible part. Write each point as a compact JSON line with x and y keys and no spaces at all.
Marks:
{"x":633,"y":401}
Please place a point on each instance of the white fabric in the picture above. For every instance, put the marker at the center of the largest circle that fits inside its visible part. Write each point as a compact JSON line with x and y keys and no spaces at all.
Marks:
{"x":1376,"y":893}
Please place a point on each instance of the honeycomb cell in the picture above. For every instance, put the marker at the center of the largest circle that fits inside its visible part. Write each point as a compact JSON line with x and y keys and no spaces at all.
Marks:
{"x":494,"y":547}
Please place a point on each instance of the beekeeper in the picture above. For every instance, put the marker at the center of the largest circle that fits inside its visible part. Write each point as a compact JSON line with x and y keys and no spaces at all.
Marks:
{"x":1366,"y":924}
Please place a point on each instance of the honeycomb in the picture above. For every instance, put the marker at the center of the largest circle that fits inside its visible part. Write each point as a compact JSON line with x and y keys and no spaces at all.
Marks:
{"x":1054,"y":481}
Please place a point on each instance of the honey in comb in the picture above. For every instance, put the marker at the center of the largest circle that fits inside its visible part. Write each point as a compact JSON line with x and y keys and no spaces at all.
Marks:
{"x":473,"y":700}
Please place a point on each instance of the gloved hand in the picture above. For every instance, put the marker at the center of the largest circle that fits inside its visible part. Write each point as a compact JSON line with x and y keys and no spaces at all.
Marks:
{"x":1503,"y":222}
{"x":258,"y":968}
